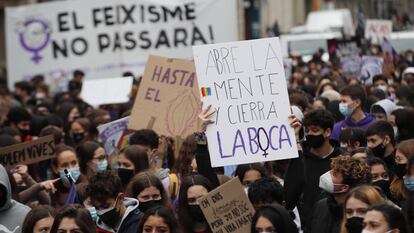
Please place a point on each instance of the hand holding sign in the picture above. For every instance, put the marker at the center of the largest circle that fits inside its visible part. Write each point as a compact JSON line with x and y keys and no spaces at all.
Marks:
{"x":295,"y":124}
{"x":205,"y":116}
{"x":22,"y":170}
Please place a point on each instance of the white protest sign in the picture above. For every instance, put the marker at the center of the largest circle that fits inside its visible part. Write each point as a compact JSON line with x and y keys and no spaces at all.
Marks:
{"x":245,"y":83}
{"x":104,"y":38}
{"x":376,"y":30}
{"x":111,"y":133}
{"x":106,"y":91}
{"x":371,"y":66}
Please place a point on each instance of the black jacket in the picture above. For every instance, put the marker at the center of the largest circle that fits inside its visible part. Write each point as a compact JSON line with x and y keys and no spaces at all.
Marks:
{"x":302,"y":178}
{"x":327,"y":216}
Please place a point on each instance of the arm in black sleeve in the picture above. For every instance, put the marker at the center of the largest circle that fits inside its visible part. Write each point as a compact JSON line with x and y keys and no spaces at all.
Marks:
{"x":294,"y":182}
{"x":204,"y":165}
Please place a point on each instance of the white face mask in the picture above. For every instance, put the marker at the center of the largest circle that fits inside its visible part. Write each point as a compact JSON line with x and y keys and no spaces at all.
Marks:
{"x":326,"y":183}
{"x":383,"y":88}
{"x":366,"y":231}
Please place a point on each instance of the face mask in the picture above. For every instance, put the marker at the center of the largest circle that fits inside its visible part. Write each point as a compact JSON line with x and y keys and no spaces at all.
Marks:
{"x":110,"y":216}
{"x":125,"y":175}
{"x":379,"y":150}
{"x":345,"y":110}
{"x":354,"y":224}
{"x":326,"y":183}
{"x":400,"y":170}
{"x":144,"y":206}
{"x":384,"y":185}
{"x":383,"y":88}
{"x":366,"y":231}
{"x":102,"y":166}
{"x":78,"y":137}
{"x":315,"y":141}
{"x":409,"y":183}
{"x":92,"y":212}
{"x":24,"y":133}
{"x":40,"y":95}
{"x":196,"y":213}
{"x":74,"y":173}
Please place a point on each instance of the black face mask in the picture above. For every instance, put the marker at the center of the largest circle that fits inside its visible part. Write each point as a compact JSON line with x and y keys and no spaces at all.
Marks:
{"x":384,"y":185}
{"x":111,"y":217}
{"x":125,"y":175}
{"x":379,"y":150}
{"x":78,"y":137}
{"x":354,"y":225}
{"x":196,"y":213}
{"x":24,"y":133}
{"x":400,"y":170}
{"x":315,"y":141}
{"x":144,"y":206}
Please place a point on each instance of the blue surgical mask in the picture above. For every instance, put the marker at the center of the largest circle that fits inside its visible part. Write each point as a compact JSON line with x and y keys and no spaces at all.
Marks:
{"x":74,"y":173}
{"x":102,"y":166}
{"x":93,"y":213}
{"x":409,"y":182}
{"x":345,"y":110}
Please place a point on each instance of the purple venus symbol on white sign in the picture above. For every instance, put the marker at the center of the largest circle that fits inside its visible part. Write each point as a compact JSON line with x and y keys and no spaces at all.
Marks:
{"x":34,"y":35}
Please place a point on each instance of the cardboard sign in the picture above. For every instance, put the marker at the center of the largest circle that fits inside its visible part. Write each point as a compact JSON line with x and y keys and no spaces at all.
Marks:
{"x":227,"y":208}
{"x":246,"y":86}
{"x":376,"y":30}
{"x":167,"y":100}
{"x":28,"y":152}
{"x":343,"y":48}
{"x":104,"y":38}
{"x":371,"y":66}
{"x":106,"y":91}
{"x":111,"y":135}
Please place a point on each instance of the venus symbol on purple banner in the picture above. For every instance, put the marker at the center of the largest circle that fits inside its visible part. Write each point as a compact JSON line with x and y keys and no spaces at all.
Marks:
{"x":34,"y":35}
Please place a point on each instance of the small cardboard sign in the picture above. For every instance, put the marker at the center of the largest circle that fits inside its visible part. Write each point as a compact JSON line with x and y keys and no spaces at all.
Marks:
{"x":168,"y":101}
{"x":376,"y":30}
{"x":28,"y":152}
{"x":227,"y":208}
{"x":106,"y":91}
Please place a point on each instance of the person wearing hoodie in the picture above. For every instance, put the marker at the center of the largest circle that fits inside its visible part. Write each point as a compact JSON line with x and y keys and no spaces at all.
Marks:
{"x":302,"y":175}
{"x":382,"y":109}
{"x":116,"y":213}
{"x":12,"y":213}
{"x":353,"y":99}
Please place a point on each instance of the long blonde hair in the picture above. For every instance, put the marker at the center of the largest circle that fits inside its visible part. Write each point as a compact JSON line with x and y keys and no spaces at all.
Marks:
{"x":369,"y":195}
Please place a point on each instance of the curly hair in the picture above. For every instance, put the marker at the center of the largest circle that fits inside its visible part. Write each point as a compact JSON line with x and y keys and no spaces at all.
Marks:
{"x":354,"y":172}
{"x":104,"y":185}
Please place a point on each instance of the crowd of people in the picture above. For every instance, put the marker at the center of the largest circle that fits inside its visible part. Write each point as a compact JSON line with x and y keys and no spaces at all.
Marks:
{"x":354,"y":173}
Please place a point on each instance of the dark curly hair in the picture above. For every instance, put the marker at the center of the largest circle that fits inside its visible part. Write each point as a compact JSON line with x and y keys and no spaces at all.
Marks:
{"x":320,"y":118}
{"x":104,"y":185}
{"x":145,"y":137}
{"x":354,"y":172}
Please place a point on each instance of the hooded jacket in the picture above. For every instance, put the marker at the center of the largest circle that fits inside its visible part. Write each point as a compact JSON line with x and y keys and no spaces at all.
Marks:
{"x":12,"y":213}
{"x":347,"y":123}
{"x":130,"y":220}
{"x":387,"y":105}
